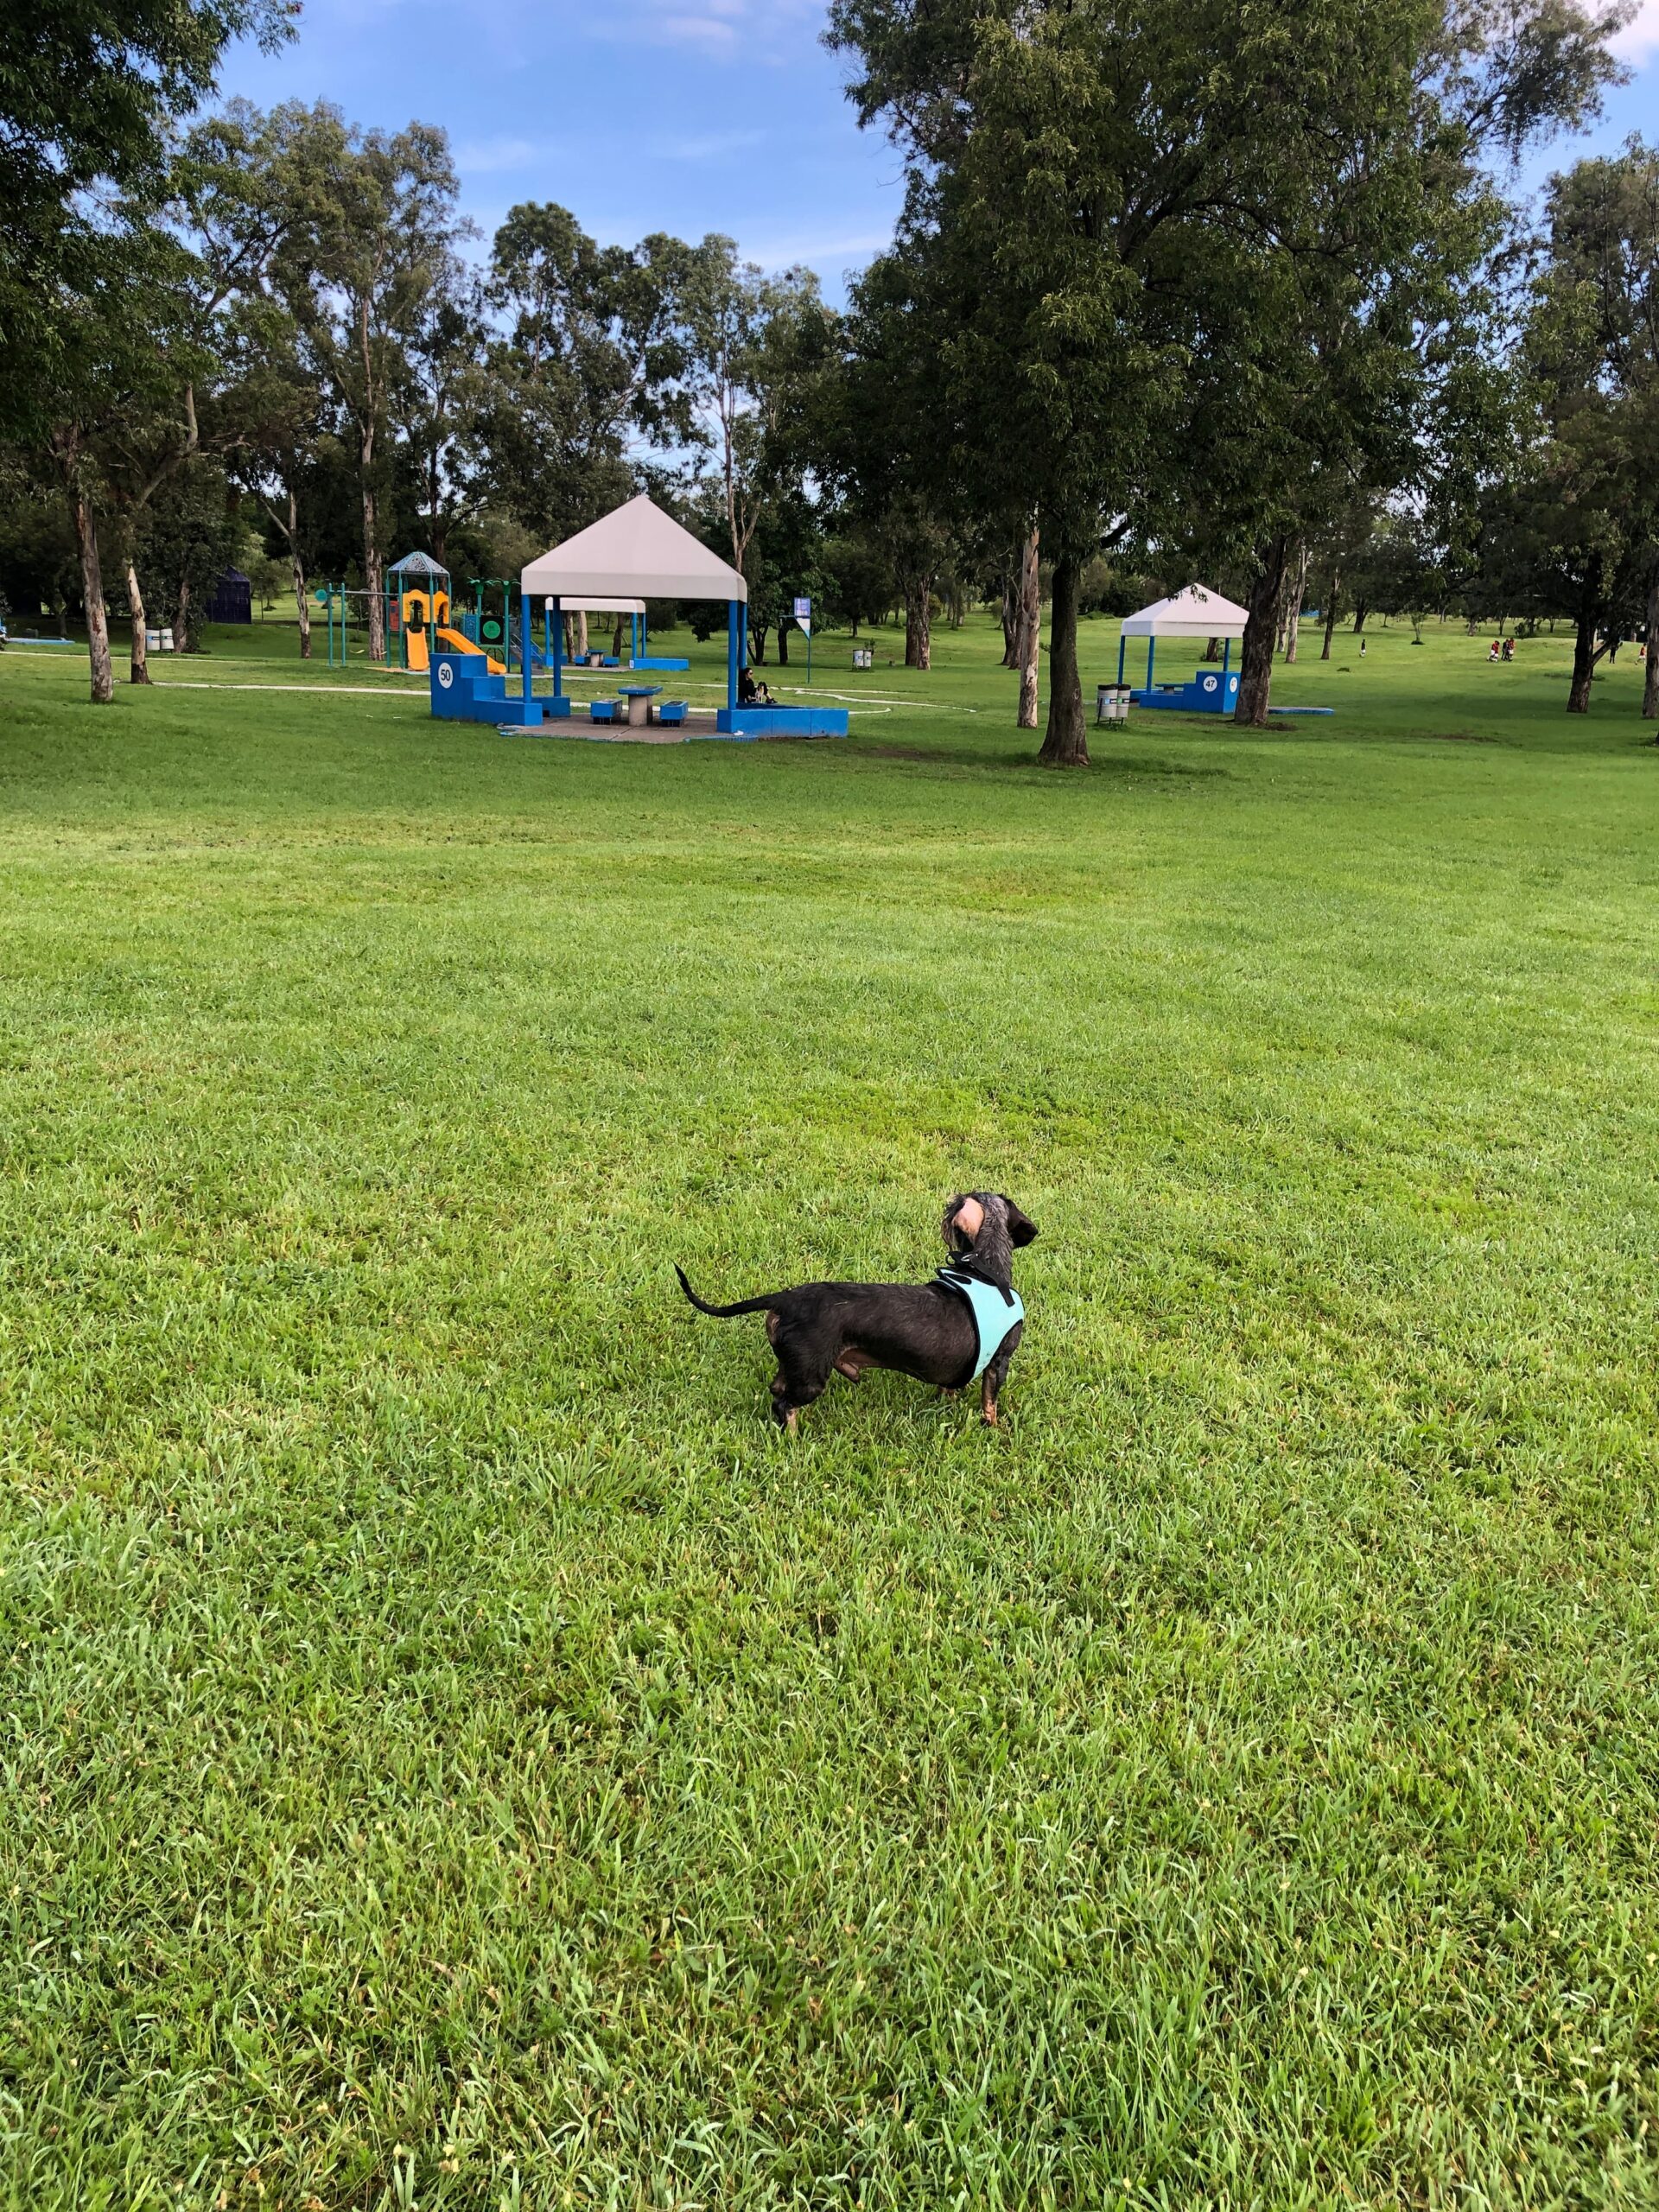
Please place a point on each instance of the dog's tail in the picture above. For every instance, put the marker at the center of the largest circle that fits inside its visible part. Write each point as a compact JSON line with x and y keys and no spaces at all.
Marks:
{"x":725,"y":1312}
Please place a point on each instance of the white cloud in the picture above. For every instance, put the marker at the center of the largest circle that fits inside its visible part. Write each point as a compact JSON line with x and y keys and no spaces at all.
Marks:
{"x":1640,"y":38}
{"x":485,"y":156}
{"x":711,"y":31}
{"x":711,"y":146}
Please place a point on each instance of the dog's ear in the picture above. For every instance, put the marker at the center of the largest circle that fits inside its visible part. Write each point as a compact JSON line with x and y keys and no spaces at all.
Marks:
{"x":959,"y":1232}
{"x":1022,"y":1227}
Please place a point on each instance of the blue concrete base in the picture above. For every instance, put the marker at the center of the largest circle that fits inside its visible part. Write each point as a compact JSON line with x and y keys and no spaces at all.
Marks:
{"x":463,"y":690}
{"x":1212,"y":691}
{"x":654,"y":663}
{"x":745,"y":723}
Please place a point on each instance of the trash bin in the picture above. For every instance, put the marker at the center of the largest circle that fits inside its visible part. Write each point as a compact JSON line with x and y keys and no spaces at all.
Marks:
{"x":1111,"y":703}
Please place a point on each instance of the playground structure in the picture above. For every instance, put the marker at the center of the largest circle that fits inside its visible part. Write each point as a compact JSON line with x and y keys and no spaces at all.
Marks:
{"x":633,"y":554}
{"x":418,"y":606}
{"x":1194,"y":613}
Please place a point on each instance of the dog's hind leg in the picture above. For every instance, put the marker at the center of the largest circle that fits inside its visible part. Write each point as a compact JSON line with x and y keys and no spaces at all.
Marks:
{"x":803,"y":1376}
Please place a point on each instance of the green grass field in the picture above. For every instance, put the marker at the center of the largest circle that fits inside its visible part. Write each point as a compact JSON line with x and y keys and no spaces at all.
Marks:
{"x":456,"y":1755}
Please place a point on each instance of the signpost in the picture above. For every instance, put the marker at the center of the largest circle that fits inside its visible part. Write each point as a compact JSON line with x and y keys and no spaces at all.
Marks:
{"x":804,"y":616}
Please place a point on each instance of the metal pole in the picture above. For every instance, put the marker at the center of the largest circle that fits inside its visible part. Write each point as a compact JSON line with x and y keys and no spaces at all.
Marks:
{"x":523,"y":617}
{"x":1151,"y":647}
{"x":558,"y":648}
{"x":1226,"y":647}
{"x":1121,"y":643}
{"x":731,"y":654}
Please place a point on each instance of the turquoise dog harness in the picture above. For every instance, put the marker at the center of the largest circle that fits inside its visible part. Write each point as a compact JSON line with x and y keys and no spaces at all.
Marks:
{"x":995,"y":1311}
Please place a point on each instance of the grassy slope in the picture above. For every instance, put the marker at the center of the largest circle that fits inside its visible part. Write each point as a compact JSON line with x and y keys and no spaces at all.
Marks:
{"x":455,"y":1754}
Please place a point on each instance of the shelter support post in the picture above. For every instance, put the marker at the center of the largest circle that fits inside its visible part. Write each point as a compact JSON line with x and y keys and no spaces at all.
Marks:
{"x":558,"y":649}
{"x":1151,"y":647}
{"x":1123,"y":643}
{"x":523,"y":640}
{"x":1226,"y":648}
{"x":731,"y":653}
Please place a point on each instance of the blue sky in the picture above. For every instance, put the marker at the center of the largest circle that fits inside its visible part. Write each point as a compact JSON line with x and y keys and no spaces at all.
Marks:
{"x":686,"y":116}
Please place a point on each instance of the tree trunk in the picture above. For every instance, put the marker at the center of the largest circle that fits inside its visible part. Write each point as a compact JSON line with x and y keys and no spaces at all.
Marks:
{"x":66,"y":451}
{"x":757,"y":633}
{"x":1330,"y":612}
{"x":583,"y":646}
{"x":91,"y":593}
{"x":181,"y":643}
{"x":616,"y":638}
{"x":783,"y":643}
{"x":918,"y":616}
{"x":302,"y":601}
{"x":1293,"y":616}
{"x":374,"y":574}
{"x":1650,"y":683}
{"x":1066,"y":742}
{"x":1010,"y":619}
{"x":138,"y":662}
{"x":1584,"y":640}
{"x":1256,"y":661}
{"x":1212,"y":649}
{"x":1360,"y":613}
{"x":1031,"y":633}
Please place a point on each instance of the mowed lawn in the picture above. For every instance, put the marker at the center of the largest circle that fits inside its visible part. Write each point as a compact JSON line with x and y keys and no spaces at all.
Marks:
{"x":455,"y":1754}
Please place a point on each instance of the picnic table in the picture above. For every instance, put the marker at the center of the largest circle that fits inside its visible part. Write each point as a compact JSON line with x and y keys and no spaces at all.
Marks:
{"x":639,"y":696}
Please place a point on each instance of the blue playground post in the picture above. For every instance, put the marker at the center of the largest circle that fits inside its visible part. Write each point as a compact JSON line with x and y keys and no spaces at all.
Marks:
{"x":557,"y":612}
{"x":547,"y":632}
{"x":525,"y":640}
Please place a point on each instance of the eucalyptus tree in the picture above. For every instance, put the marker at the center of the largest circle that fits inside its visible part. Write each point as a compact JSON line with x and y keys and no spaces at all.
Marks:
{"x":876,"y":444}
{"x":227,"y":223}
{"x":89,"y":95}
{"x":120,"y":340}
{"x":1107,"y":197}
{"x":1593,"y":345}
{"x":737,"y":328}
{"x":372,"y":217}
{"x":589,"y":365}
{"x":438,"y":395}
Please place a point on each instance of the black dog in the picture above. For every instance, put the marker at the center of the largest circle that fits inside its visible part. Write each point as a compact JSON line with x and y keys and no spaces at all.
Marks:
{"x":945,"y":1331}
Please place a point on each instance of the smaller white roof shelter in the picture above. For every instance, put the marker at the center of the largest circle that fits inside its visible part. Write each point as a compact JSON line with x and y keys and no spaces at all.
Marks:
{"x":636,"y":550}
{"x":1194,"y":613}
{"x":601,"y":606}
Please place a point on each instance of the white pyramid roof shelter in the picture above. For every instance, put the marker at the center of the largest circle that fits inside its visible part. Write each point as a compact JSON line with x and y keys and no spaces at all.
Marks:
{"x":1194,"y":613}
{"x":636,"y":551}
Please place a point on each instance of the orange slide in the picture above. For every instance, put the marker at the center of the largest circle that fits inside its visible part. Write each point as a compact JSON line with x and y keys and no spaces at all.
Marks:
{"x":457,"y":644}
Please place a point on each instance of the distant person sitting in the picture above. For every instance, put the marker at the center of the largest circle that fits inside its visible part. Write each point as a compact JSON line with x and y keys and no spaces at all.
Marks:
{"x":1508,"y":648}
{"x":1496,"y":650}
{"x":751,"y":694}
